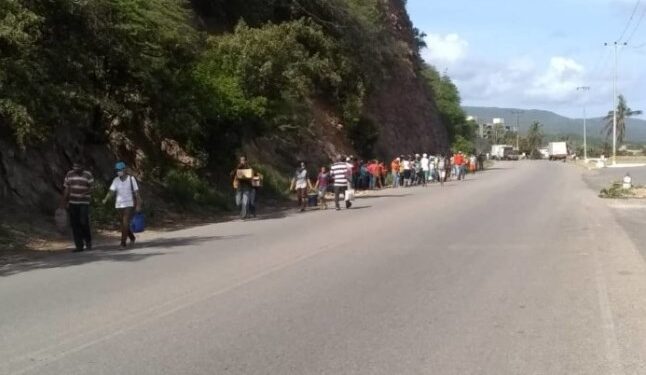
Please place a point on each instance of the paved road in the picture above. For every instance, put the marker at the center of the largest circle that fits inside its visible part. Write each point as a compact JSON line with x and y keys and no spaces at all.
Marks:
{"x":520,"y":270}
{"x":630,"y":214}
{"x":599,"y":179}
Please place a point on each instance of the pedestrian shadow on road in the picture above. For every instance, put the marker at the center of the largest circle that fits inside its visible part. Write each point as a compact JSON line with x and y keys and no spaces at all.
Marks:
{"x":167,"y":243}
{"x":103,"y":253}
{"x":69,"y":260}
{"x":354,"y":208}
{"x":383,"y":196}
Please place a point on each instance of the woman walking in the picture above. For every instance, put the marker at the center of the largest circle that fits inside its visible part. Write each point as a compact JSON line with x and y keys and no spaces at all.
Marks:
{"x":322,"y":183}
{"x":301,"y":184}
{"x":127,"y":202}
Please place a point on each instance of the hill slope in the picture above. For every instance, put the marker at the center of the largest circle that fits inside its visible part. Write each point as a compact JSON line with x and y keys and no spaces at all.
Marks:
{"x":180,"y":87}
{"x":555,"y":124}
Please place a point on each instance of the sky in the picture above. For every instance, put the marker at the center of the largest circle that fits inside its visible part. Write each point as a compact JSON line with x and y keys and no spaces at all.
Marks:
{"x":534,"y":54}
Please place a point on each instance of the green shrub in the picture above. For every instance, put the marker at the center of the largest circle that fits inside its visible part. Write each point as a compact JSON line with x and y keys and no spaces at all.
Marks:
{"x":102,"y":215}
{"x":616,"y":191}
{"x":185,"y":187}
{"x":274,"y":182}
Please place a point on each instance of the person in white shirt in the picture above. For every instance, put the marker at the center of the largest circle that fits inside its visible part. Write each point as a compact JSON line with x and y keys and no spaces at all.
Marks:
{"x":407,"y":167}
{"x":425,"y":168}
{"x":128,"y":200}
{"x":432,"y":168}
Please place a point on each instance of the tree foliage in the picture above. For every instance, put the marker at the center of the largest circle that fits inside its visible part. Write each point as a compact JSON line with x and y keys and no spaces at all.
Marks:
{"x":462,"y":133}
{"x":207,"y":73}
{"x":95,"y":63}
{"x":623,"y":114}
{"x":535,"y":136}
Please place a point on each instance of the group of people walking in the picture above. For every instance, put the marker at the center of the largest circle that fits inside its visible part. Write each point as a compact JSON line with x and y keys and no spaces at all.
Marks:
{"x":419,"y":169}
{"x":77,"y":197}
{"x":340,"y":179}
{"x":348,"y":174}
{"x":247,"y":181}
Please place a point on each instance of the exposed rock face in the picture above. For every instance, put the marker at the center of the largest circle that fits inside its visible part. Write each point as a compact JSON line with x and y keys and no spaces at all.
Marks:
{"x":33,"y":177}
{"x":404,"y":106}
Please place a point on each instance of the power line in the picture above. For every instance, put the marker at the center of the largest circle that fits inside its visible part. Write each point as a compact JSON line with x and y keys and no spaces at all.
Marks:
{"x":630,"y":20}
{"x":641,"y":18}
{"x":601,"y":62}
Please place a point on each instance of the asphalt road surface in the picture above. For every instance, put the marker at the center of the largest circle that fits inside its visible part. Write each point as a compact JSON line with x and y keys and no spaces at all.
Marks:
{"x":519,"y":270}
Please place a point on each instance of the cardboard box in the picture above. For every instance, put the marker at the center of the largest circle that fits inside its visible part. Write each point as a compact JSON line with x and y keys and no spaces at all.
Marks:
{"x":244,"y":174}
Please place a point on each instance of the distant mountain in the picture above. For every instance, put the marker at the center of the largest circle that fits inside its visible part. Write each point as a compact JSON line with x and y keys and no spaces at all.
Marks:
{"x":555,"y":124}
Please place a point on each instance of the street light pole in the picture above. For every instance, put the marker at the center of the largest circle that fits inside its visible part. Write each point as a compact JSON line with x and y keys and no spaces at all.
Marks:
{"x":585,"y":136}
{"x":614,"y":102}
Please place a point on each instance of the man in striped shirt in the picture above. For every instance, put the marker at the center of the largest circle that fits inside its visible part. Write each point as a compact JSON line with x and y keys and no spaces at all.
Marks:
{"x":77,"y":196}
{"x":340,"y":172}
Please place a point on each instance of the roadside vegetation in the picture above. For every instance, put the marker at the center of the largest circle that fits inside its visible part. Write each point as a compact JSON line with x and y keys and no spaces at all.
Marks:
{"x":208,"y":74}
{"x":616,"y":191}
{"x":462,"y":133}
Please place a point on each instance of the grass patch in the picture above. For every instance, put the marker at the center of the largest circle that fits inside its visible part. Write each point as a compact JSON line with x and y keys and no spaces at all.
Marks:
{"x":616,"y":191}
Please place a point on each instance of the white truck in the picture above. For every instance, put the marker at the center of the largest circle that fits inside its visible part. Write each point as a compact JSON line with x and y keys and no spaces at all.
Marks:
{"x":500,"y":152}
{"x":557,"y":150}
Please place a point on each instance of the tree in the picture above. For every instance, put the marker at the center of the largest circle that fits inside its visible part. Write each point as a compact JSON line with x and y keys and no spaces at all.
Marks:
{"x":535,"y":135}
{"x":535,"y":138}
{"x":499,"y":133}
{"x":97,"y":64}
{"x":623,"y":114}
{"x":447,"y":97}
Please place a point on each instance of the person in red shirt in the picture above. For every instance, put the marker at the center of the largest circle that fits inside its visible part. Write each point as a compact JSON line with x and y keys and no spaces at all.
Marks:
{"x":373,"y":171}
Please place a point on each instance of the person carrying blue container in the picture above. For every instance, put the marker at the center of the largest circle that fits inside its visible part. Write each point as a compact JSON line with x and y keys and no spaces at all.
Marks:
{"x":128,"y":200}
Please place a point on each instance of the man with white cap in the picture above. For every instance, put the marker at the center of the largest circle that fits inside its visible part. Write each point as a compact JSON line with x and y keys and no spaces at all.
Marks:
{"x":128,"y":200}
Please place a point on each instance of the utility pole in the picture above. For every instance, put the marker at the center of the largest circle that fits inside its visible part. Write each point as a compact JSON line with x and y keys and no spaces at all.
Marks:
{"x":517,"y":113}
{"x":614,"y":101}
{"x":585,"y":135}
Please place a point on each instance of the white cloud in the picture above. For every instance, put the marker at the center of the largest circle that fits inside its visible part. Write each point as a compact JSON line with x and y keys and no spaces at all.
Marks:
{"x":444,"y":50}
{"x":525,"y":81}
{"x":558,"y":82}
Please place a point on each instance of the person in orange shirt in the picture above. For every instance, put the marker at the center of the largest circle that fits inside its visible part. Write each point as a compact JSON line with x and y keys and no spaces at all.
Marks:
{"x":459,"y":162}
{"x":395,"y":166}
{"x":382,"y":175}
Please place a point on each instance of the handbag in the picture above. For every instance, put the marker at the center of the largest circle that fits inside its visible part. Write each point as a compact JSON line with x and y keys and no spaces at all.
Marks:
{"x":349,"y":195}
{"x":138,"y":223}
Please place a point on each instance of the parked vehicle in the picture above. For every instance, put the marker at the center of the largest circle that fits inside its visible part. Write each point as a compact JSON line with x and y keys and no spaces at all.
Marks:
{"x":510,"y":154}
{"x":557,"y":150}
{"x":545,"y":153}
{"x":498,"y":152}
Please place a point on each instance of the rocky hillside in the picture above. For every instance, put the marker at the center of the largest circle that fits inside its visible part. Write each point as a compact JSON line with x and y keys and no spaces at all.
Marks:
{"x":179,"y":88}
{"x":404,"y":105}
